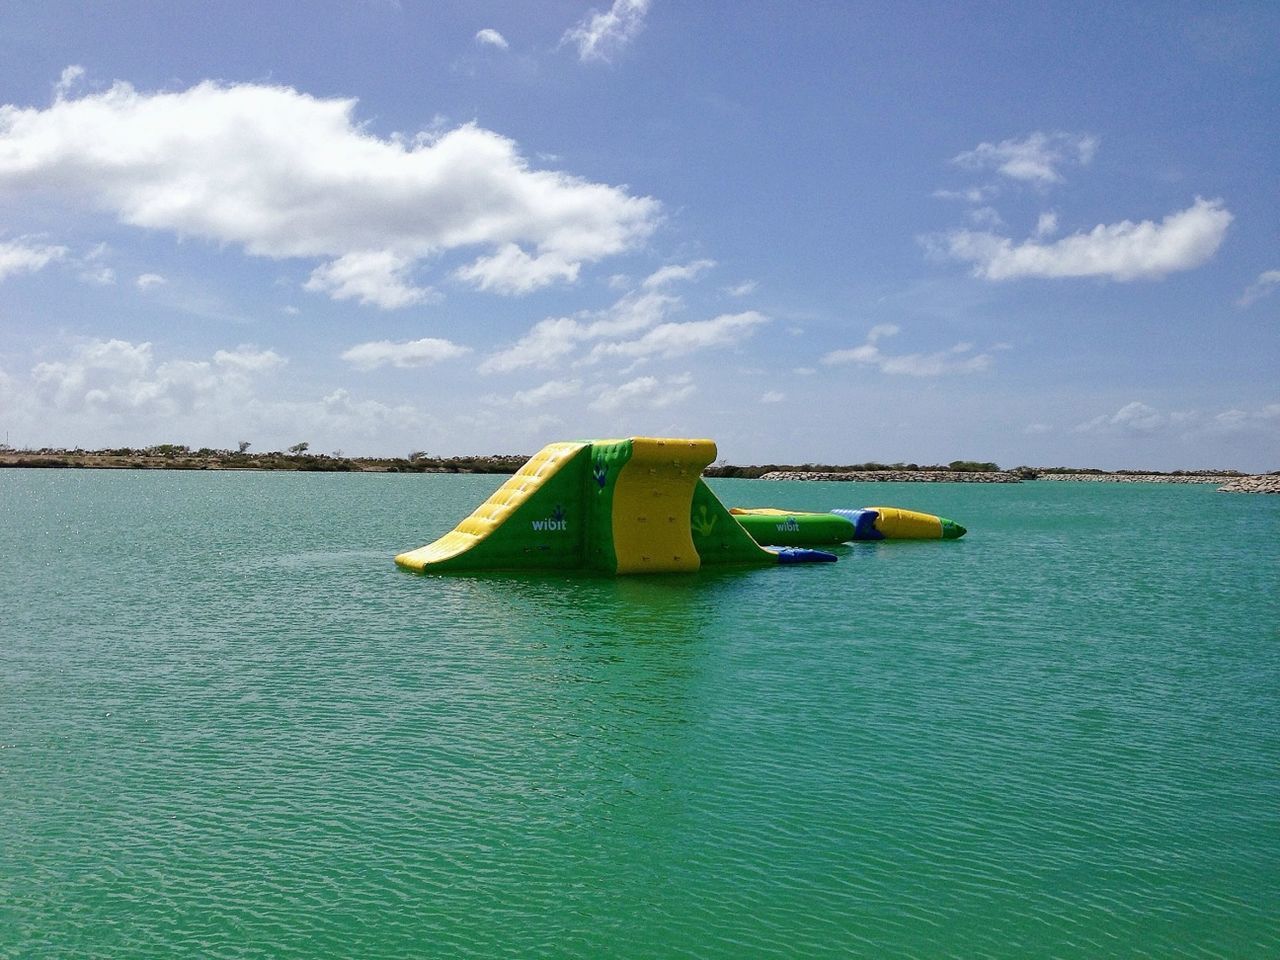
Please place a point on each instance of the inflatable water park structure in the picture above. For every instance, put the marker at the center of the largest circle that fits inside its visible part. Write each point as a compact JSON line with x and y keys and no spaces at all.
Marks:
{"x":640,"y":505}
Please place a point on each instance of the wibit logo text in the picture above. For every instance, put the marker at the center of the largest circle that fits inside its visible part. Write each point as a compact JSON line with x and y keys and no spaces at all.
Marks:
{"x":556,"y":521}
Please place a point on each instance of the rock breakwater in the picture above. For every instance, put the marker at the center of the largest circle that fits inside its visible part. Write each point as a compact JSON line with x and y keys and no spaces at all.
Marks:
{"x":1263,"y":484}
{"x":897,"y":476}
{"x":1137,"y":477}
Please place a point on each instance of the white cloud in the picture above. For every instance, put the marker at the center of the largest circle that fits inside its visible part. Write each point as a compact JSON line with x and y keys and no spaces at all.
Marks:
{"x":118,"y":377}
{"x":1133,"y":419}
{"x":646,"y":392}
{"x":1138,"y":419}
{"x":1266,"y":282}
{"x":970,"y":194}
{"x":944,"y":362}
{"x":630,"y":314}
{"x":371,"y":276}
{"x":99,"y":276}
{"x":341,"y":413}
{"x":549,"y":392}
{"x":741,"y":289}
{"x":1046,"y":225}
{"x":413,"y":353}
{"x":22,"y":257}
{"x":147,"y":281}
{"x":548,"y":341}
{"x":1035,"y":159}
{"x":988,"y":217}
{"x":117,"y":392}
{"x":488,"y":37}
{"x":601,"y":35}
{"x":677,"y":339}
{"x":554,"y":338}
{"x":678,"y":272}
{"x":287,"y":175}
{"x":1121,"y":251}
{"x":97,"y":369}
{"x":70,"y":77}
{"x":513,"y":271}
{"x":773,"y":396}
{"x":249,"y":359}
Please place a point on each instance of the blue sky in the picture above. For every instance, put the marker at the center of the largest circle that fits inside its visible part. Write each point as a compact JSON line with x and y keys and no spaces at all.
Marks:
{"x":837,"y":232}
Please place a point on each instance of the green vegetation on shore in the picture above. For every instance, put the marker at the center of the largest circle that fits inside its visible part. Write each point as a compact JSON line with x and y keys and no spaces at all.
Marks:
{"x":173,"y":456}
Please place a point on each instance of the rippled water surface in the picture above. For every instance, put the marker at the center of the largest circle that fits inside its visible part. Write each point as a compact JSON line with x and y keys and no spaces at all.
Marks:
{"x":231,"y":727}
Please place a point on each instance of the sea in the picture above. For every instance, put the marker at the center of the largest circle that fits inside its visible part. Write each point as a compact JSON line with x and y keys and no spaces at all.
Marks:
{"x":231,"y":727}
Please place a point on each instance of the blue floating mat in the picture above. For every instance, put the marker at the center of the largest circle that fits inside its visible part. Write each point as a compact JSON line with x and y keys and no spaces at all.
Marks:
{"x":802,"y":555}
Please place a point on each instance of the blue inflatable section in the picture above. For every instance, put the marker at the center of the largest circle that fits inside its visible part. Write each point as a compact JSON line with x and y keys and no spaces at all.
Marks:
{"x":803,"y":555}
{"x":864,"y":523}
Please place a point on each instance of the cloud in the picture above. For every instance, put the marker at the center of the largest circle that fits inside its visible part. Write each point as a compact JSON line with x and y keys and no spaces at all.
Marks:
{"x":99,"y":276}
{"x":249,"y":359}
{"x":119,"y":377}
{"x":513,"y":271}
{"x":413,"y":353}
{"x":970,"y":194}
{"x":741,"y":289}
{"x":649,"y":392}
{"x":147,"y":281}
{"x":1035,"y":159}
{"x":677,"y":339}
{"x":547,"y":342}
{"x":549,"y":392}
{"x":71,"y":76}
{"x":773,"y":396}
{"x":1122,"y":251}
{"x":553,"y":339}
{"x":1137,"y":420}
{"x":676,"y":272}
{"x":986,"y":217}
{"x":1046,"y":225}
{"x":118,"y":392}
{"x":489,"y":37}
{"x":19,"y":257}
{"x":340,"y":412}
{"x":1134,"y":419}
{"x":1262,"y":287}
{"x":287,"y":175}
{"x":942,"y":363}
{"x":601,"y":35}
{"x":371,"y":276}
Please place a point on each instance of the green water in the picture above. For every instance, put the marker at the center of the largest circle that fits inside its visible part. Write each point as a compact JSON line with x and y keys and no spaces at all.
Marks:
{"x":230,"y":727}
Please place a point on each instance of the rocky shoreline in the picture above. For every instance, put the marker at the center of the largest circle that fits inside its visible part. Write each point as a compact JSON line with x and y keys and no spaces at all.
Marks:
{"x":181,"y":458}
{"x":1226,"y":482}
{"x":897,"y":476}
{"x":275,"y":461}
{"x":1217,"y":478}
{"x":1269,"y":483}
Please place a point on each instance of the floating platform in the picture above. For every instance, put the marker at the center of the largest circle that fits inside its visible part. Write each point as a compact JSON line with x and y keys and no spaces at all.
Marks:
{"x":637,"y":505}
{"x":769,"y":526}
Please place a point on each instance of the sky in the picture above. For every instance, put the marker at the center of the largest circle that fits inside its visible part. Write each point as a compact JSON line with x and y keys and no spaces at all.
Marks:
{"x":1029,"y":233}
